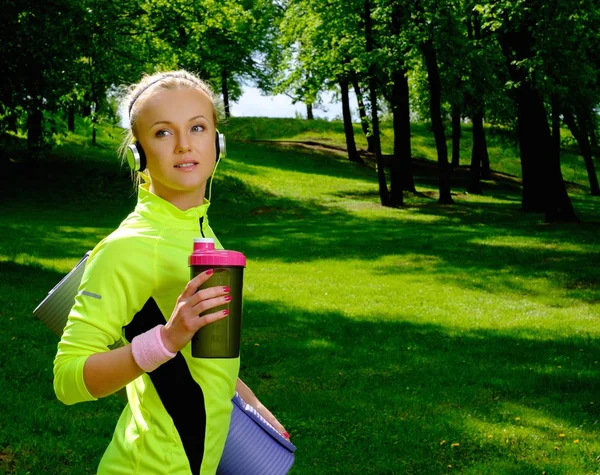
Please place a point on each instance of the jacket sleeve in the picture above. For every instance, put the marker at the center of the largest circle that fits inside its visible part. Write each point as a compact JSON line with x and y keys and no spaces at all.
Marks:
{"x":116,"y":283}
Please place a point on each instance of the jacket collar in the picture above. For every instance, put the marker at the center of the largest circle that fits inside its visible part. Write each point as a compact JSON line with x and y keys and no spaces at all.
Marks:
{"x":157,"y":209}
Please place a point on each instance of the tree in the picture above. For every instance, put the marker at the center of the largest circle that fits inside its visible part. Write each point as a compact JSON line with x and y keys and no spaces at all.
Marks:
{"x":298,"y":75}
{"x":321,"y":37}
{"x":226,"y":42}
{"x":518,"y":30}
{"x":432,"y":28}
{"x":384,"y":194}
{"x":113,"y":52}
{"x":475,"y":100}
{"x":38,"y":72}
{"x":393,"y":19}
{"x":585,"y":146}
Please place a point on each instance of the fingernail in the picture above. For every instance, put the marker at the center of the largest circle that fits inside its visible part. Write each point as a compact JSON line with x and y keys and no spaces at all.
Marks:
{"x":228,"y":298}
{"x":225,"y":312}
{"x":226,"y":289}
{"x":286,"y":435}
{"x":209,"y":271}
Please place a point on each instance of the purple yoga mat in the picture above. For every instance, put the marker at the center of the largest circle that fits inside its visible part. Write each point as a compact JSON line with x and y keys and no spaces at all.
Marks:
{"x":254,"y":447}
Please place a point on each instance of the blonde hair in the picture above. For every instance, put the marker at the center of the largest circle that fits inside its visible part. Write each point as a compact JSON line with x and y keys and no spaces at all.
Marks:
{"x":139,"y":93}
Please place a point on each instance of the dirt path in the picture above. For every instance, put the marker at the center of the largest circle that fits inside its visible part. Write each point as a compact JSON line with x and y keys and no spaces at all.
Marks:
{"x":421,"y":166}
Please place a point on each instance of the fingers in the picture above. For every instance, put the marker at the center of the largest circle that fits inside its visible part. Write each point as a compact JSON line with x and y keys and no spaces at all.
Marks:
{"x":207,"y":319}
{"x":271,"y":419}
{"x":210,"y":318}
{"x":280,"y":428}
{"x":209,"y":294}
{"x":192,"y":285}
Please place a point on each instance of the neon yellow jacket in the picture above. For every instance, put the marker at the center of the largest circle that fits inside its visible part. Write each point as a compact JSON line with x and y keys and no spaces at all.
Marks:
{"x":177,"y":417}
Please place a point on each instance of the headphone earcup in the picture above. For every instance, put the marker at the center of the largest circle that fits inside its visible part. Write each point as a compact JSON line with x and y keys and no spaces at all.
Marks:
{"x":220,"y":146}
{"x":136,"y":157}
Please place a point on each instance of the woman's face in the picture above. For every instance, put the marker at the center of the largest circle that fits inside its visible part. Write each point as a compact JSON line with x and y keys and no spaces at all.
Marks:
{"x":177,"y":131}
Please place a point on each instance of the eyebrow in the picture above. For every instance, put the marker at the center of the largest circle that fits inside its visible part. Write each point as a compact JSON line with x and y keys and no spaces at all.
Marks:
{"x":168,"y":122}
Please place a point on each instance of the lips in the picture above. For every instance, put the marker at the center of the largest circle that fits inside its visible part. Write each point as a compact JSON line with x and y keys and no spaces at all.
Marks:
{"x":186,"y":165}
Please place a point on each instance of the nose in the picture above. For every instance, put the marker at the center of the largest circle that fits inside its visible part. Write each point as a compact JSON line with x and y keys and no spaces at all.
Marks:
{"x":183,"y":143}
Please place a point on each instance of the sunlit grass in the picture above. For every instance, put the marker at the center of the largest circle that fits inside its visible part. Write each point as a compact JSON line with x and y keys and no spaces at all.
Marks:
{"x":425,"y":339}
{"x":503,"y":150}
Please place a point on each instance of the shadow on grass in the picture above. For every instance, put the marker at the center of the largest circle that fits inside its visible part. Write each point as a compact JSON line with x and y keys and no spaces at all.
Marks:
{"x":38,"y":434}
{"x":481,"y":241}
{"x":358,"y":396}
{"x":253,"y":155}
{"x":392,"y":397}
{"x":62,"y":213}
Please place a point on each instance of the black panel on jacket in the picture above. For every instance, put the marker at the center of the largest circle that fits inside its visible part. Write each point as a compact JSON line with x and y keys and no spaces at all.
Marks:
{"x":180,"y":394}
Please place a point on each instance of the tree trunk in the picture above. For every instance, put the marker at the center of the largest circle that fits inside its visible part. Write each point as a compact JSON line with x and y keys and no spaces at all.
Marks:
{"x":455,"y":135}
{"x":86,"y":108}
{"x":384,"y":194}
{"x":587,"y":119}
{"x":402,"y":134}
{"x":11,"y":122}
{"x":94,"y":120}
{"x":480,"y":158}
{"x":225,"y":92}
{"x":540,"y":163}
{"x":486,"y":172}
{"x":362,"y":111}
{"x":353,"y":155}
{"x":593,"y":138}
{"x":543,"y":186}
{"x":530,"y":129}
{"x":435,"y":92}
{"x":396,"y":196}
{"x":555,"y":111}
{"x":477,"y":153}
{"x":71,"y":118}
{"x":35,"y":137}
{"x":383,"y":190}
{"x":586,"y":150}
{"x":309,"y":112}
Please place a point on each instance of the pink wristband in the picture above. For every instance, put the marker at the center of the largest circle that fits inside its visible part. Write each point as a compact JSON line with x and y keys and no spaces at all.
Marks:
{"x":149,"y":351}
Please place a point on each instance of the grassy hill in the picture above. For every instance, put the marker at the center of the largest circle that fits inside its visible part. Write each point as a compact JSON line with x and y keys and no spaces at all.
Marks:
{"x":423,"y":340}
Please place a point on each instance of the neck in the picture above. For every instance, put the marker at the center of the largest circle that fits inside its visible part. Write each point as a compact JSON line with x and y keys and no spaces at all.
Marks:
{"x":181,"y":200}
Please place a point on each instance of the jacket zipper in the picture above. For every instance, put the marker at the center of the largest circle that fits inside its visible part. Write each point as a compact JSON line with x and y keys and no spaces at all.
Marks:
{"x":201,"y":223}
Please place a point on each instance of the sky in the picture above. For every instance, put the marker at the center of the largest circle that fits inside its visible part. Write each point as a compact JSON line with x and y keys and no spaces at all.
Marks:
{"x":252,"y":104}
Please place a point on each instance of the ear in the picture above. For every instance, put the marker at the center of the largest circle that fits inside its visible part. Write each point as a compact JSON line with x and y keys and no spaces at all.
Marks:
{"x":136,"y":157}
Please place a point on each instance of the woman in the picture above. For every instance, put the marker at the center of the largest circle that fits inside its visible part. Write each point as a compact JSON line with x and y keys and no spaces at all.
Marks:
{"x":135,"y":289}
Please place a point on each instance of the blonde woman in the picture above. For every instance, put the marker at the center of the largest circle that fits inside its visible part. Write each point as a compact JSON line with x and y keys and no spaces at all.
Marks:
{"x":135,"y":289}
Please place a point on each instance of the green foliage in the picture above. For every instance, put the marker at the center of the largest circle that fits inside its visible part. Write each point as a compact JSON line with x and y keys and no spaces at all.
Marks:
{"x":37,"y":73}
{"x":570,"y":70}
{"x":230,"y":38}
{"x":100,"y":45}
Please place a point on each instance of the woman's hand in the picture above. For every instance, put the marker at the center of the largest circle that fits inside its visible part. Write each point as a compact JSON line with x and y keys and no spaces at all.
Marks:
{"x":271,"y":419}
{"x":185,"y":320}
{"x":247,"y":395}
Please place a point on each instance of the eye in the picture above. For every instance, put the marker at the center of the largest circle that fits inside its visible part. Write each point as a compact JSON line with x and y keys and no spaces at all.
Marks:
{"x":197,"y":128}
{"x":162,"y":133}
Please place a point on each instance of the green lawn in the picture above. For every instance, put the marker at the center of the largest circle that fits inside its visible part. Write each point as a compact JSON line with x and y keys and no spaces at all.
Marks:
{"x":423,"y":340}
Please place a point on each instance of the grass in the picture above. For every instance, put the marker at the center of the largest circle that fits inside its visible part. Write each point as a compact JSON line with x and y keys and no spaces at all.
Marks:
{"x":502,"y":146}
{"x":422,"y":340}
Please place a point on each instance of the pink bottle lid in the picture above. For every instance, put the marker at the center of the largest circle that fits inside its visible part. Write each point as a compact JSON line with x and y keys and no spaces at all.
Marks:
{"x":205,"y":254}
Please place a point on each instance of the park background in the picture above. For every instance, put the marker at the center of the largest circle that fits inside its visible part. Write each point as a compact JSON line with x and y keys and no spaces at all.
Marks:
{"x":422,"y":289}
